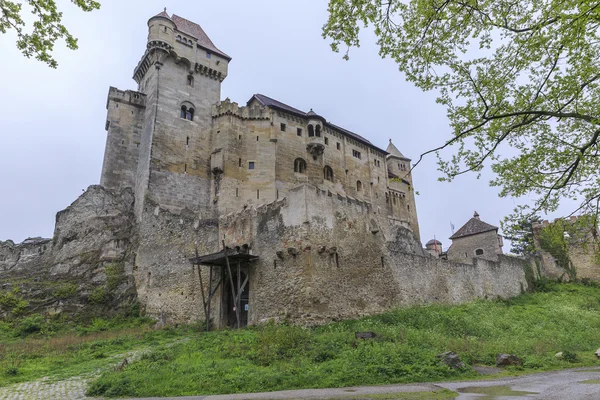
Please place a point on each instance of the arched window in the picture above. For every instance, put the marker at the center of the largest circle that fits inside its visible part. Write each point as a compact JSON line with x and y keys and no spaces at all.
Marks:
{"x":179,"y":38}
{"x":311,"y":131}
{"x":190,"y":114}
{"x":318,"y":131}
{"x":328,"y":173}
{"x":359,"y":186}
{"x":190,"y":81}
{"x":300,"y":166}
{"x":479,"y":252}
{"x":183,"y":112}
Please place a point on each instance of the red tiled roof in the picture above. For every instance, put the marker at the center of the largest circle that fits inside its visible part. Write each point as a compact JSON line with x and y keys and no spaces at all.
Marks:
{"x":196,"y":31}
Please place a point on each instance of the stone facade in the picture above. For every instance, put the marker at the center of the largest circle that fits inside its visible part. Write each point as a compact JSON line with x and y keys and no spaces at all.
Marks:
{"x":582,"y":250}
{"x":475,"y":239}
{"x":329,"y":218}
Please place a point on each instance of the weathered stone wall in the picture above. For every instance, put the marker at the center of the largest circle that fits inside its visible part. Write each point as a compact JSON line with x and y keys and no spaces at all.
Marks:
{"x":167,"y":284}
{"x":124,"y":121}
{"x":335,"y":259}
{"x":463,"y":248}
{"x":86,"y":267}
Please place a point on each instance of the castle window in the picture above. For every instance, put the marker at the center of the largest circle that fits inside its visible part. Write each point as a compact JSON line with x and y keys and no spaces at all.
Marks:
{"x":187,"y":141}
{"x":300,"y":166}
{"x":187,"y":111}
{"x":356,"y":153}
{"x":257,"y":194}
{"x":311,"y":131}
{"x":239,"y":162}
{"x":318,"y":131}
{"x":208,"y":55}
{"x":183,"y":111}
{"x":251,"y":165}
{"x":359,"y":186}
{"x":299,"y":131}
{"x":236,"y":192}
{"x":479,"y":252}
{"x":190,"y":81}
{"x":327,"y":141}
{"x":282,"y":127}
{"x":179,"y":38}
{"x":328,"y":173}
{"x":338,"y":146}
{"x":165,"y":29}
{"x":190,"y":114}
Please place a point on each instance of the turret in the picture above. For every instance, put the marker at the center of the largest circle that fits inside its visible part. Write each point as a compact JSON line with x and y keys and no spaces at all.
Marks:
{"x":161,"y":28}
{"x":397,"y":163}
{"x":315,"y":144}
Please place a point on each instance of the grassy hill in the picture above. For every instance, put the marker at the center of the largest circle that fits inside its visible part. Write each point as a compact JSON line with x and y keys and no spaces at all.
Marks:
{"x":184,"y":361}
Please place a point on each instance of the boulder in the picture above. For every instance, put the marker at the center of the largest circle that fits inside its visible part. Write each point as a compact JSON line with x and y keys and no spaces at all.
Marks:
{"x":504,"y":360}
{"x":365,"y":335}
{"x":451,"y":359}
{"x":597,"y":353}
{"x":559,"y":355}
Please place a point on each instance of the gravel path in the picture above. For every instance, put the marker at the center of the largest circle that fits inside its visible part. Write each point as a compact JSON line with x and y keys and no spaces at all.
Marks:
{"x":48,"y":389}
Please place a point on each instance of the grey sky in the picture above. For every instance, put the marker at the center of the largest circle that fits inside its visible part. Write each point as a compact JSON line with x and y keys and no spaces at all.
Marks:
{"x":52,"y":133}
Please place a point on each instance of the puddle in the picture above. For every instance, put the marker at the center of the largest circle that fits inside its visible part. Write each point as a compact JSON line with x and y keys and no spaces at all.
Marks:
{"x":349,"y":390}
{"x":591,"y":381}
{"x":493,"y":391}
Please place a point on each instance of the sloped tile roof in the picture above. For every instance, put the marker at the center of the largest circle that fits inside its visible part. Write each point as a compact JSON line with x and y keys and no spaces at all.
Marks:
{"x":196,"y":31}
{"x":270,"y":102}
{"x":473,"y":227}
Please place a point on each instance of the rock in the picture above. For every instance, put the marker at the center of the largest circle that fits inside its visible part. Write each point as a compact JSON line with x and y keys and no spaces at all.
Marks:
{"x":597,"y":353}
{"x":365,"y":335}
{"x":451,"y":359}
{"x":503,"y":360}
{"x":559,"y":354}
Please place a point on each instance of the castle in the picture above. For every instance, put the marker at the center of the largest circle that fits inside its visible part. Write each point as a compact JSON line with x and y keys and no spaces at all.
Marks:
{"x":244,"y":214}
{"x":176,"y":141}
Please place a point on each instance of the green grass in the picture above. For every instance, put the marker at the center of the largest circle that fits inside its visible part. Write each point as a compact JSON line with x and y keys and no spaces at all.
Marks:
{"x":266,"y":358}
{"x":32,"y":348}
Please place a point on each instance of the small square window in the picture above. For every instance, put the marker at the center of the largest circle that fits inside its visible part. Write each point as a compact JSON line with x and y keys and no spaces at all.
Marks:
{"x":327,"y":141}
{"x":208,"y":55}
{"x":299,"y":132}
{"x":282,"y":127}
{"x":338,"y":146}
{"x":251,"y":165}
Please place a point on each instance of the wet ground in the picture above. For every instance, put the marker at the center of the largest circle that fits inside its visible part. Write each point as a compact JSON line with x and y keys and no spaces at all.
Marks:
{"x":580,"y":384}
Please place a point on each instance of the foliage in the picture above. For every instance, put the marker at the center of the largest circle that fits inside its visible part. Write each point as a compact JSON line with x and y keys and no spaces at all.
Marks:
{"x":100,"y":295}
{"x":65,"y":290}
{"x":13,"y":302}
{"x":533,"y":326}
{"x":520,"y":235}
{"x":519,"y":79}
{"x":47,"y":26}
{"x":34,"y":347}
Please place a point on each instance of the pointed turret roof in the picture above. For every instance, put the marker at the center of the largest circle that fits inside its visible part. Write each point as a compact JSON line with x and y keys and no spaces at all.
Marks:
{"x":163,"y":14}
{"x":473,"y":227}
{"x":394,"y":152}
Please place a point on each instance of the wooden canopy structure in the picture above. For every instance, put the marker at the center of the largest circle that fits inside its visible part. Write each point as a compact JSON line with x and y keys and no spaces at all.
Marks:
{"x":223,"y":261}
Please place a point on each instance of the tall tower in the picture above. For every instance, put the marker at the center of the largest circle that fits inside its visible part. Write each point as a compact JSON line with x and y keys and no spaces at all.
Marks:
{"x":180,"y":75}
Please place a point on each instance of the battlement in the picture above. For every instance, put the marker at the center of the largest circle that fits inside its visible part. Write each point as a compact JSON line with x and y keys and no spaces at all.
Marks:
{"x":228,"y":107}
{"x":130,"y":97}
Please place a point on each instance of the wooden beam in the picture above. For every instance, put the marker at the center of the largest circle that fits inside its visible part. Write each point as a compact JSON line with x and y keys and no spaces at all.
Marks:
{"x":237,"y":315}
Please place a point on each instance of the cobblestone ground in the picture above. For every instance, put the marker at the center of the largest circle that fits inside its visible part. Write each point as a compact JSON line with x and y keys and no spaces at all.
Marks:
{"x":48,"y":389}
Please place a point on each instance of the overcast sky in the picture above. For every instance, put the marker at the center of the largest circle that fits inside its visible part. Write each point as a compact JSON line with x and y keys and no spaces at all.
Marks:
{"x":52,"y":133}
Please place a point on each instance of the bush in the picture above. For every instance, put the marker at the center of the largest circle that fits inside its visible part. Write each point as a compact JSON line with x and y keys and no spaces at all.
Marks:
{"x":100,"y":295}
{"x":65,"y":291}
{"x":31,"y":324}
{"x":570,"y":356}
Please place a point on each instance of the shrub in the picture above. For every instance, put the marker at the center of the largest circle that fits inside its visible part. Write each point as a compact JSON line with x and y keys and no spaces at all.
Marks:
{"x":31,"y":324}
{"x":65,"y":291}
{"x":100,"y":295}
{"x":570,"y":356}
